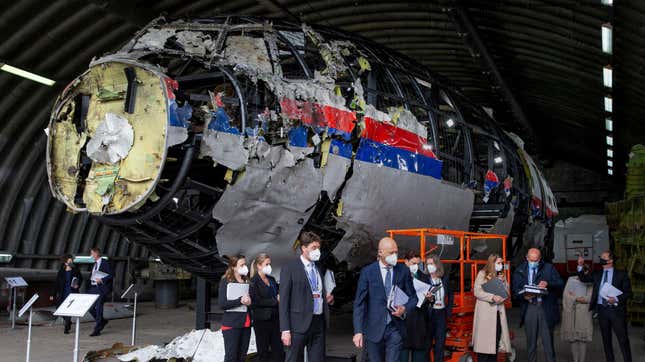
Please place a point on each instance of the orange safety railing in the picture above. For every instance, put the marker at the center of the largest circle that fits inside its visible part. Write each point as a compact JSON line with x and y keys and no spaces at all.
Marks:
{"x":464,"y":301}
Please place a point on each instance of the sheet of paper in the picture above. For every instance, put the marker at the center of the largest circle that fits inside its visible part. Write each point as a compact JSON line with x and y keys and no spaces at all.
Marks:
{"x":398,"y":298}
{"x":607,"y":290}
{"x":329,"y":282}
{"x":421,"y":289}
{"x":97,"y":274}
{"x":577,"y":287}
{"x":235,"y":291}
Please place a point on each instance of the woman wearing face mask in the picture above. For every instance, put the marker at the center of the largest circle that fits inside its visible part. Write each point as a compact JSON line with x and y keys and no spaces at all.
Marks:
{"x":489,"y":312}
{"x":68,"y":281}
{"x":440,"y":308}
{"x":415,"y":345}
{"x":266,"y":321}
{"x":577,"y":324}
{"x":236,"y":325}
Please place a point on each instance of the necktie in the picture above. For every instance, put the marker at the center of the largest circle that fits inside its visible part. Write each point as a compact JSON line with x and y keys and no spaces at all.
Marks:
{"x":604,"y":280}
{"x":388,"y":289}
{"x":313,"y":282}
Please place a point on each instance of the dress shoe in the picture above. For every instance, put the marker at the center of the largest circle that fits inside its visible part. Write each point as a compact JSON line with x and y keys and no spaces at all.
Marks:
{"x":95,"y":333}
{"x":66,"y":331}
{"x":103,"y":324}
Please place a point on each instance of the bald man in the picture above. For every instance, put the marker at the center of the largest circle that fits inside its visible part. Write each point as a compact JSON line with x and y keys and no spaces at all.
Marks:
{"x":540,"y":313}
{"x":376,"y":327}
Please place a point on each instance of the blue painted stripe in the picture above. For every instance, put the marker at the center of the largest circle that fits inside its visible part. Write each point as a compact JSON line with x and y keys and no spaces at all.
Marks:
{"x":374,"y":152}
{"x":340,"y":148}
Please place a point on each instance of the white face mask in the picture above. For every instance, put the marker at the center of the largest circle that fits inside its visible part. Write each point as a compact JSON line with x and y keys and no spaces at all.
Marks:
{"x":499,"y":267}
{"x":432,"y":268}
{"x":267,"y":270}
{"x":414,"y":268}
{"x":314,"y":255}
{"x":392,"y":259}
{"x":243,"y":270}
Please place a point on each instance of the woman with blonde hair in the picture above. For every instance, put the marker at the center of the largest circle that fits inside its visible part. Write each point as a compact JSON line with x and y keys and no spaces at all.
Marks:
{"x":236,"y":321}
{"x":441,"y":300}
{"x":266,"y":320}
{"x":490,"y":311}
{"x":577,"y":324}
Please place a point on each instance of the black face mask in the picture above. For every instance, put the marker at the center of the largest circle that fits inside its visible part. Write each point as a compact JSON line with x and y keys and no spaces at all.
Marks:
{"x":604,"y":261}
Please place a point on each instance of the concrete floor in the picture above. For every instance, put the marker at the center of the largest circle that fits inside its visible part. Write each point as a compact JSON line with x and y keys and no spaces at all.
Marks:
{"x":160,"y":326}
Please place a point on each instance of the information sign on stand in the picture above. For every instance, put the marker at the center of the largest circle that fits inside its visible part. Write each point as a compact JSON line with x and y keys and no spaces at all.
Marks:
{"x":14,"y":282}
{"x":132,"y":290}
{"x":22,"y":311}
{"x":76,"y":305}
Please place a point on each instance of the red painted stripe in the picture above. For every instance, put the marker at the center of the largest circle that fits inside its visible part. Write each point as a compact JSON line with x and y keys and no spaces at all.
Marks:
{"x":318,"y":115}
{"x":391,"y":135}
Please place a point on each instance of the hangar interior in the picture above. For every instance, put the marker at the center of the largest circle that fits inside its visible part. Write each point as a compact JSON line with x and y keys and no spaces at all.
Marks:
{"x":542,"y":97}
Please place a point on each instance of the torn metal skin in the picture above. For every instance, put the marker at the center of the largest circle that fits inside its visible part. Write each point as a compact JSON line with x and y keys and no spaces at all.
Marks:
{"x":285,"y":136}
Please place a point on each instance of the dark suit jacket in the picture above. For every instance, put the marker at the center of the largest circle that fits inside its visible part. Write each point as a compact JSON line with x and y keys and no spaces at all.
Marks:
{"x":548,"y":273}
{"x":619,"y":280}
{"x":449,"y":297}
{"x":264,"y":306}
{"x":106,"y":287}
{"x":230,"y":319}
{"x":296,"y":303}
{"x":60,"y":282}
{"x":370,"y":304}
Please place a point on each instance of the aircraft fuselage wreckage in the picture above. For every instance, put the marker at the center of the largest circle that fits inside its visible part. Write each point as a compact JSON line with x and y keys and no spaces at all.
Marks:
{"x":210,"y":137}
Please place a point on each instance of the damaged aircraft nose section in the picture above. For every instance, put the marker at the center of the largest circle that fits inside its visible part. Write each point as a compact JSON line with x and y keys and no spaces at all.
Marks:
{"x":210,"y":137}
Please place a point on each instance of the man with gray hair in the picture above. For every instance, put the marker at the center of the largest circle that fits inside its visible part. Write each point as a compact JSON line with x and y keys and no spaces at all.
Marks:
{"x":540,"y":313}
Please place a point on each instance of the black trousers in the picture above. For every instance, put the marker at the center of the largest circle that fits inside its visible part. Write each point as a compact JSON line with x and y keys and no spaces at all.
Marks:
{"x":313,"y":339}
{"x":268,"y":337}
{"x":485,"y":357}
{"x":97,"y":310}
{"x":611,"y":318}
{"x":236,"y":344}
{"x":67,"y":321}
{"x":437,"y":330}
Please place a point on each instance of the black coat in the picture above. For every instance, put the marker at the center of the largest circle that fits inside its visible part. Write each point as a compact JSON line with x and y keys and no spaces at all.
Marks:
{"x":619,"y":280}
{"x":416,"y":322}
{"x":296,"y":303}
{"x":264,"y":305}
{"x":60,"y":282}
{"x":555,"y":284}
{"x":104,"y":288}
{"x":230,"y":319}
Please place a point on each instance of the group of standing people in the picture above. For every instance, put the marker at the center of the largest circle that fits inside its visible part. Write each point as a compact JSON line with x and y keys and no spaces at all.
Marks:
{"x":286,"y":319}
{"x":291,"y":318}
{"x":69,"y":280}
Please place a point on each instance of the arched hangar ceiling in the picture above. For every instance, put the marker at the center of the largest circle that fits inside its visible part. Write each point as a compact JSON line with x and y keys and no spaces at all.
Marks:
{"x":548,"y":52}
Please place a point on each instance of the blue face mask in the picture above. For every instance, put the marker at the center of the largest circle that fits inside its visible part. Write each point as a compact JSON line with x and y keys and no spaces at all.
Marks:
{"x":533,"y":264}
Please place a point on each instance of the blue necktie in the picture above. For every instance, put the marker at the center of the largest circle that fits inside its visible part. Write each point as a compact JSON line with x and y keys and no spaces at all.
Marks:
{"x":604,"y":279}
{"x":313,"y":281}
{"x":388,"y":290}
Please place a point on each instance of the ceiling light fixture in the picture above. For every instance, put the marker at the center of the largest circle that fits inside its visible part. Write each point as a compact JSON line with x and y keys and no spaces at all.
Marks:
{"x":606,"y":38}
{"x":608,"y":104}
{"x":25,"y":74}
{"x":610,"y":141}
{"x":607,"y":76}
{"x":609,"y":124}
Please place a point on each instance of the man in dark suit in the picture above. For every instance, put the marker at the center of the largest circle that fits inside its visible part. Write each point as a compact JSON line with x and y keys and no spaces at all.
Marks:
{"x":612,"y":310}
{"x":304,"y":303}
{"x":540,"y":313}
{"x":380,"y":329}
{"x":102,"y":287}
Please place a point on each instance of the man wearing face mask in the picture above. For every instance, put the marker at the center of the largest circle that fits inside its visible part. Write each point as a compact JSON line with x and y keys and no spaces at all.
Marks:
{"x":303,"y":306}
{"x":540,"y":313}
{"x":375,"y":326}
{"x":611,"y":311}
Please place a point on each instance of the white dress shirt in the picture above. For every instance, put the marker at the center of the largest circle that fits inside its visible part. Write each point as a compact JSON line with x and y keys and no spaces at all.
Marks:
{"x":439,"y":296}
{"x":97,"y":266}
{"x":384,"y":272}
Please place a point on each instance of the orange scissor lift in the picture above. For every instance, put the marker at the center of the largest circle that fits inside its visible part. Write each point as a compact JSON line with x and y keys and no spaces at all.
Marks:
{"x":460,"y":325}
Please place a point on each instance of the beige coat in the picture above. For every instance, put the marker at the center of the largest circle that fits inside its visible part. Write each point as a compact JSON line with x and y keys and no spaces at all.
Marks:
{"x":577,"y":325}
{"x":485,"y":321}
